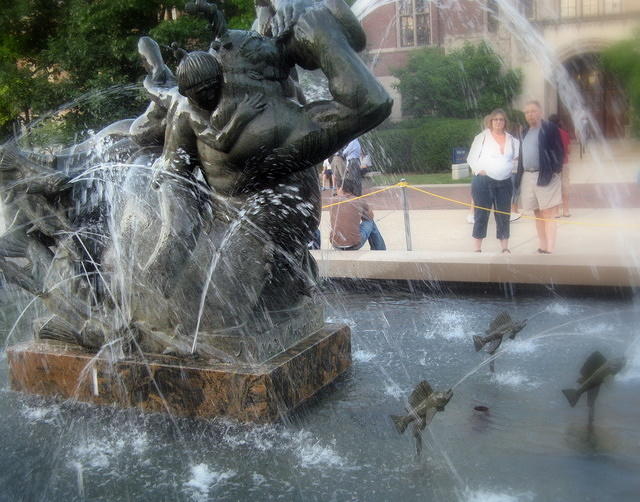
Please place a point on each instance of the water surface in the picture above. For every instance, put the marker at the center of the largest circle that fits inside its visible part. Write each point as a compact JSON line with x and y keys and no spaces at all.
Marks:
{"x":530,"y":445}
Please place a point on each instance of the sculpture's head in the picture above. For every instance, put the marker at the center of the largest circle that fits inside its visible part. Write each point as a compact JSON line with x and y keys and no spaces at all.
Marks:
{"x":200,"y":79}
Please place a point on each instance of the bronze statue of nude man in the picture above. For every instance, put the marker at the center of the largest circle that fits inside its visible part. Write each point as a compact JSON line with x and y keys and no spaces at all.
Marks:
{"x":255,"y":147}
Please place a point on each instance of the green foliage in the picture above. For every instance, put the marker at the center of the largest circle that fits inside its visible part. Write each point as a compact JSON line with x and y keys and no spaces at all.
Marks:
{"x":239,"y":13}
{"x":420,"y":146}
{"x":190,"y":33}
{"x":468,"y":82}
{"x":25,"y":28}
{"x":53,"y":51}
{"x":390,"y":149}
{"x":623,"y":60}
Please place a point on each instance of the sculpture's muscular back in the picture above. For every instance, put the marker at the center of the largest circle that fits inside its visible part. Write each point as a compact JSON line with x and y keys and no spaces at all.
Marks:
{"x":251,"y":64}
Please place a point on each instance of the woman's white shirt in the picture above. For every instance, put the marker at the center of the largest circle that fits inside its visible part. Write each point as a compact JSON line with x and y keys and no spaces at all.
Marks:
{"x":485,"y":155}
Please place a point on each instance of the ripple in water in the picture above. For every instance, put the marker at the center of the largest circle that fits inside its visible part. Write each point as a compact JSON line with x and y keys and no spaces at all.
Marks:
{"x":521,"y":346}
{"x":513,"y":379}
{"x":450,"y":325}
{"x":362,"y":356}
{"x":596,"y":328}
{"x":42,"y":414}
{"x":340,"y":320}
{"x":310,"y":451}
{"x":203,"y":480}
{"x":489,"y":496}
{"x":393,"y":390}
{"x":98,"y":453}
{"x":558,"y":308}
{"x":317,"y":455}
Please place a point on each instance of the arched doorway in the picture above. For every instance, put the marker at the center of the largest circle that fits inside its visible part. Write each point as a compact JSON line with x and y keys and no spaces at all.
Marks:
{"x":602,"y":94}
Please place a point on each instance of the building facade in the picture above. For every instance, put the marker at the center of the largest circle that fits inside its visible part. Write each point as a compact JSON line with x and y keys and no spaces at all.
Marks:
{"x":549,"y":40}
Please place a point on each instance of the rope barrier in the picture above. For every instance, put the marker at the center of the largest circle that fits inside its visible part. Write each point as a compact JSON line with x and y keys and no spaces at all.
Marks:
{"x":448,"y":199}
{"x":363,"y":196}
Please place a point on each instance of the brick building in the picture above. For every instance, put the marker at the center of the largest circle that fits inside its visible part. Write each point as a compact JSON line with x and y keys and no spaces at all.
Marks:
{"x":537,"y":36}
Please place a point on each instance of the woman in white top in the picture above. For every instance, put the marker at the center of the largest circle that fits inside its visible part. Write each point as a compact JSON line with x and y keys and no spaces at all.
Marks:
{"x":491,"y":159}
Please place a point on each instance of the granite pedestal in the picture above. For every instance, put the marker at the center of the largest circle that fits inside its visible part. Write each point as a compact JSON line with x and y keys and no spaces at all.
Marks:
{"x":245,"y":392}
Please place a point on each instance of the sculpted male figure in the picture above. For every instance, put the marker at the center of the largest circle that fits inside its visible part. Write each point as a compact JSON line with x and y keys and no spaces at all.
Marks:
{"x":223,"y":240}
{"x":265,"y":176}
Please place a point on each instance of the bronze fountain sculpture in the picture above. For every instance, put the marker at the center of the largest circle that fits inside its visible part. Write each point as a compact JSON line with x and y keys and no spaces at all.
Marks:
{"x":207,"y":263}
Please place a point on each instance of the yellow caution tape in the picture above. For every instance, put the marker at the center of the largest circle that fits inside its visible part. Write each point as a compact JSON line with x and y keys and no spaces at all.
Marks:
{"x":405,"y":184}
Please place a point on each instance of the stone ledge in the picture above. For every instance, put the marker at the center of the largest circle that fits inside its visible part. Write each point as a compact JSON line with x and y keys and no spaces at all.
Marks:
{"x":573,"y":270}
{"x":261,"y":393}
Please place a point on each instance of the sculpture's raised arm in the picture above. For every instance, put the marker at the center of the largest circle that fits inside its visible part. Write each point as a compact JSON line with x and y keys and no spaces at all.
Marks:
{"x":149,"y":128}
{"x":153,"y":62}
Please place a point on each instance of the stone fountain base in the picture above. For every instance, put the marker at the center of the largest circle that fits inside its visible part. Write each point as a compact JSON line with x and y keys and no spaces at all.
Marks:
{"x":245,"y":392}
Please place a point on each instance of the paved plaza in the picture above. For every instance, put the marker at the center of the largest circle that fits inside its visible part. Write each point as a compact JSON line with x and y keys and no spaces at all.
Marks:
{"x":605,"y":208}
{"x":604,"y":225}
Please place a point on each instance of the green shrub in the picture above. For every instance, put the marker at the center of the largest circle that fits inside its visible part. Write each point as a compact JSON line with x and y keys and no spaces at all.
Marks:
{"x":390,"y":149}
{"x":425,"y":147}
{"x":435,"y":140}
{"x":622,"y":60}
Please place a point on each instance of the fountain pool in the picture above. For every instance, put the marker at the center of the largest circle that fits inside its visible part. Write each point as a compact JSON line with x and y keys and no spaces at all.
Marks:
{"x":529,"y":445}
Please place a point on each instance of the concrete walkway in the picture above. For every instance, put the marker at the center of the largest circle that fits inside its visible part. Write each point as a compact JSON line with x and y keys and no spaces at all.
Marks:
{"x":602,"y":235}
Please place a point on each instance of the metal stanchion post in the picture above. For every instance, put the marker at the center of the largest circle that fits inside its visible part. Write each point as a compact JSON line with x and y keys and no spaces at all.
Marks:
{"x":407,"y":222}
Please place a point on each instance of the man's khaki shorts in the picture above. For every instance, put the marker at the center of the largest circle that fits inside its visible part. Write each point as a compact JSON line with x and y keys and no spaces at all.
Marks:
{"x":534,"y":197}
{"x":565,"y":177}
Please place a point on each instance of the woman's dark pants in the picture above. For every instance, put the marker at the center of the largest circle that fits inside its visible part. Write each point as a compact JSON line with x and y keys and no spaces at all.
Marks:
{"x":490,"y":193}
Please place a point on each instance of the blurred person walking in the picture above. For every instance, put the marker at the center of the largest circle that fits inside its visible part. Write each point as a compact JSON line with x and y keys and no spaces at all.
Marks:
{"x":352,"y":153}
{"x":491,"y":159}
{"x":565,"y":181}
{"x":365,"y":164}
{"x":338,"y":167}
{"x":327,"y":174}
{"x":538,"y":178}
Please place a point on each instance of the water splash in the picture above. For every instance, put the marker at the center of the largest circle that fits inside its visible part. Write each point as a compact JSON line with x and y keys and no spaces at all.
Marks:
{"x":489,"y":495}
{"x":513,"y":379}
{"x":203,"y":480}
{"x":363,"y":356}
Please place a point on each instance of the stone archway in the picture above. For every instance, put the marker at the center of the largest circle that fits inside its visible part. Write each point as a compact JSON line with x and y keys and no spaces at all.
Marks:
{"x":602,"y":94}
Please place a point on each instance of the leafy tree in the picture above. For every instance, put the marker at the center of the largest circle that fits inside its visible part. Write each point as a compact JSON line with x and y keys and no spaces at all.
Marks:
{"x":25,"y":28}
{"x":53,"y":51}
{"x":623,"y":60}
{"x":468,"y":82}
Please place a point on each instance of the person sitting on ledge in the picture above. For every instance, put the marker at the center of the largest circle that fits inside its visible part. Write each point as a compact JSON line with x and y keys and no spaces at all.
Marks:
{"x":352,"y":223}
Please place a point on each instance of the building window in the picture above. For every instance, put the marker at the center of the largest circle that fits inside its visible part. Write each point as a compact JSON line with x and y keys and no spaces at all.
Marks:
{"x":526,"y":7}
{"x":590,"y":7}
{"x":568,"y":8}
{"x":492,"y":16}
{"x":415,"y":23}
{"x":422,"y":29}
{"x":612,"y":6}
{"x":406,"y":31}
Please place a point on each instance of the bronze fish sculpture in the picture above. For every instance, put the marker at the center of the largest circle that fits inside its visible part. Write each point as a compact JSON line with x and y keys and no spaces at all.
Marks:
{"x":424,"y":403}
{"x":592,"y":374}
{"x":500,"y":327}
